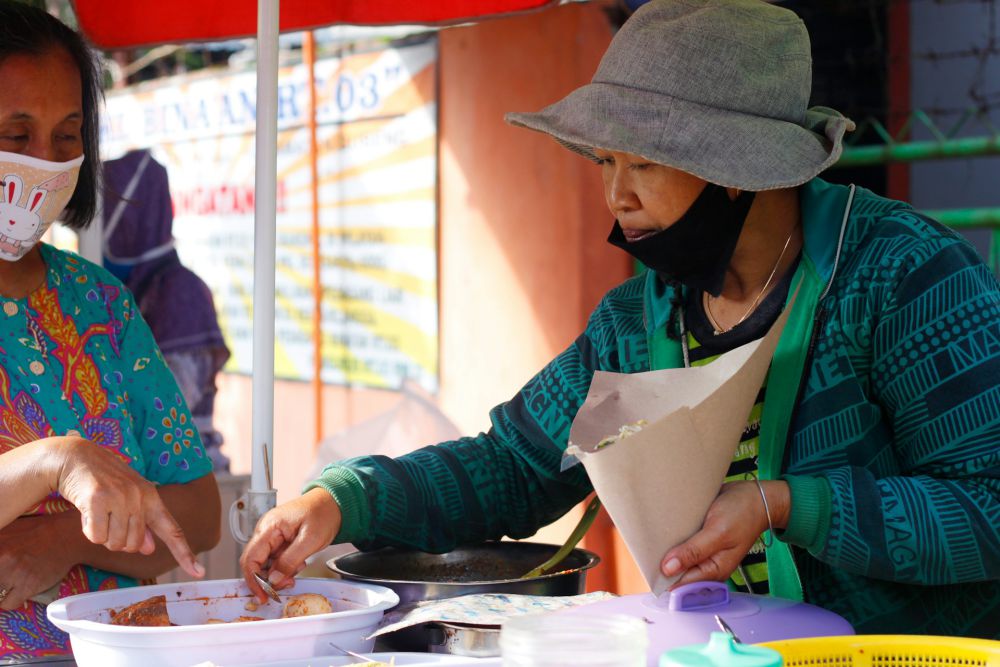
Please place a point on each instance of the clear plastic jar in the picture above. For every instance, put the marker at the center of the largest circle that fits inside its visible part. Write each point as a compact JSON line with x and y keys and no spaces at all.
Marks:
{"x":580,"y":640}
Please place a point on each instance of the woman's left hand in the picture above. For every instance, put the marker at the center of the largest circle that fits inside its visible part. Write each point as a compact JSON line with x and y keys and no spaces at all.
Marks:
{"x":734,"y":522}
{"x":33,"y":557}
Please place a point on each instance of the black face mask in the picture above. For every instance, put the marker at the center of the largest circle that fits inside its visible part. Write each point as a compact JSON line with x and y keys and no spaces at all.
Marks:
{"x":697,"y":248}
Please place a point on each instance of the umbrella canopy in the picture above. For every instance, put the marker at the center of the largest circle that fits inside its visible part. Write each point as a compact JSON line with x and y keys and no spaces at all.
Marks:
{"x":115,"y":24}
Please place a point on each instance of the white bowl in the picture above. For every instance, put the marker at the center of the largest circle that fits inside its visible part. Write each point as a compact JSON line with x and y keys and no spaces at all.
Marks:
{"x":398,"y":659}
{"x":358,"y":608}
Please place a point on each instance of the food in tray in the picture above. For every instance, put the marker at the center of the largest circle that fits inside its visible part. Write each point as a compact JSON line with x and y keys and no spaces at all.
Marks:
{"x":151,"y":612}
{"x":306,"y":604}
{"x":373,"y":663}
{"x":238,"y":619}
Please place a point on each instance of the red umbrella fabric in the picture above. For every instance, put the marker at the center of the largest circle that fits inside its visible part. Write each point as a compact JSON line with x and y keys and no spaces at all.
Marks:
{"x":115,"y":24}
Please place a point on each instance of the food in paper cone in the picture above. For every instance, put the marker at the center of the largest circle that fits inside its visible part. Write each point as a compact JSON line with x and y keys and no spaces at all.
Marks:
{"x":624,"y":431}
{"x":682,"y":427}
{"x":658,"y":486}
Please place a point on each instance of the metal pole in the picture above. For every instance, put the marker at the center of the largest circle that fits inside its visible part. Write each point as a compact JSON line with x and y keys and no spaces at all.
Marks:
{"x":262,"y":496}
{"x":90,"y":241}
{"x":975,"y":218}
{"x":861,"y":156}
{"x":967,"y":218}
{"x":309,"y":60}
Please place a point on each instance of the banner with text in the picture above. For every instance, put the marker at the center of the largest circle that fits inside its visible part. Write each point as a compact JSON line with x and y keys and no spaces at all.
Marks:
{"x":376,"y":138}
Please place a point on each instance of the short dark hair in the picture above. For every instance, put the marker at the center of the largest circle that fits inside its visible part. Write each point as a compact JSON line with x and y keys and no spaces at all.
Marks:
{"x":27,"y":29}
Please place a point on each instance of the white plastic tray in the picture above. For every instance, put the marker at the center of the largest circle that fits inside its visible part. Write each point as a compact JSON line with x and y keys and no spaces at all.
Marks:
{"x":358,"y":608}
{"x":401,"y":660}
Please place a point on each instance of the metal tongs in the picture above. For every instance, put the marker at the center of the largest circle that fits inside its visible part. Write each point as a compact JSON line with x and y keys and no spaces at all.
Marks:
{"x":725,"y":628}
{"x":261,"y":581}
{"x":358,"y":657}
{"x":267,"y":587}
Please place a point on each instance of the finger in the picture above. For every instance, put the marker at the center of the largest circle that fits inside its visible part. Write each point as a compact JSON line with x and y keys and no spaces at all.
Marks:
{"x":708,"y":570}
{"x":117,"y":531}
{"x":689,"y":577}
{"x":255,"y":554}
{"x":10,"y":602}
{"x":95,"y":524}
{"x":136,"y":535}
{"x":289,"y":581}
{"x":255,"y":590}
{"x":167,"y":529}
{"x":148,"y":543}
{"x":258,"y":551}
{"x":293,"y":559}
{"x":17,"y":594}
{"x":697,"y":548}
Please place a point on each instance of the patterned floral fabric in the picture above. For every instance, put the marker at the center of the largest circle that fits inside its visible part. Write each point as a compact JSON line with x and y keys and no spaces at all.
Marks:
{"x":77,"y":358}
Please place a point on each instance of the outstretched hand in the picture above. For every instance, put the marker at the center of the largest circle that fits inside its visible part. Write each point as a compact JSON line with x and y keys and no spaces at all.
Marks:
{"x":119,"y":509}
{"x":734,"y":522}
{"x":286,"y":536}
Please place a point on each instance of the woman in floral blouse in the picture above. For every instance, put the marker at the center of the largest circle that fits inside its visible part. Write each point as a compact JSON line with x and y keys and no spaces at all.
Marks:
{"x":78,"y":365}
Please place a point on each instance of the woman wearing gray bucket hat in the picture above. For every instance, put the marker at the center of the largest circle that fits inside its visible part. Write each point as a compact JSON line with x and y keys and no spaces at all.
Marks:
{"x":875,"y":434}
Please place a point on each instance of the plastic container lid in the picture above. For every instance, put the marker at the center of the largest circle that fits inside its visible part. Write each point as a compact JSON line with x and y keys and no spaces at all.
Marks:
{"x":554,"y":640}
{"x":721,"y":651}
{"x":686,"y":616}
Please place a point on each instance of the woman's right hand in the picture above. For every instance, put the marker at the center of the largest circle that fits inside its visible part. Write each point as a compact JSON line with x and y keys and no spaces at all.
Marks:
{"x":119,"y":509}
{"x":287,"y":535}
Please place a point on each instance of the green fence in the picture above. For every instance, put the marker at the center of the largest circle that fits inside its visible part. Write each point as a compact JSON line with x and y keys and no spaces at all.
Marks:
{"x":945,"y":144}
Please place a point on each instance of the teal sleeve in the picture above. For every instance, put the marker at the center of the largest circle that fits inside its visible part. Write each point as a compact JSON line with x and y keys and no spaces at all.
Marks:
{"x":505,"y":482}
{"x":936,"y":376}
{"x":172,"y":451}
{"x":349,"y":494}
{"x":809,"y":518}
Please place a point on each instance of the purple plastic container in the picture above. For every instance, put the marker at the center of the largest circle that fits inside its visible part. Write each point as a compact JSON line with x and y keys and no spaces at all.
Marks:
{"x":687,"y":616}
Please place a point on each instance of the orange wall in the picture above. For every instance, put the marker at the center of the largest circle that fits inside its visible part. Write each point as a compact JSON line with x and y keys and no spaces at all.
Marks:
{"x":522,"y":227}
{"x":522,"y":220}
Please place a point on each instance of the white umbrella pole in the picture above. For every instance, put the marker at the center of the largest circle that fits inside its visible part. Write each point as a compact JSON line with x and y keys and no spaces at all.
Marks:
{"x":262,"y":495}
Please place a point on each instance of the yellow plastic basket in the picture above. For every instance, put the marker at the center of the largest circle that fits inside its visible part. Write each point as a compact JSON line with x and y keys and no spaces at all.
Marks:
{"x":888,"y":651}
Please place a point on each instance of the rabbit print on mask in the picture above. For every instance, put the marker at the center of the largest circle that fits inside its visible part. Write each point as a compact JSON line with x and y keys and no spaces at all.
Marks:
{"x":24,"y":219}
{"x":18,"y":224}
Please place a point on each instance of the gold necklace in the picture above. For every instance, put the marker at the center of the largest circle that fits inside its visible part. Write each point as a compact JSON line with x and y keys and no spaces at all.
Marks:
{"x":708,"y":298}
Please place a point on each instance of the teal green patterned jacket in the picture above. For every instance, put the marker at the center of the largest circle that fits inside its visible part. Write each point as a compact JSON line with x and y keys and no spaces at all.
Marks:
{"x":882,"y":412}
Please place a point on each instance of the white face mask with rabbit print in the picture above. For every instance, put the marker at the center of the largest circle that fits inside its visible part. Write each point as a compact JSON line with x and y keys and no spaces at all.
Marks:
{"x":34,"y":193}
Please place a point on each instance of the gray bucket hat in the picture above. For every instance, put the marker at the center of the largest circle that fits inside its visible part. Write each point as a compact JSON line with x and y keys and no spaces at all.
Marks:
{"x":716,"y":88}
